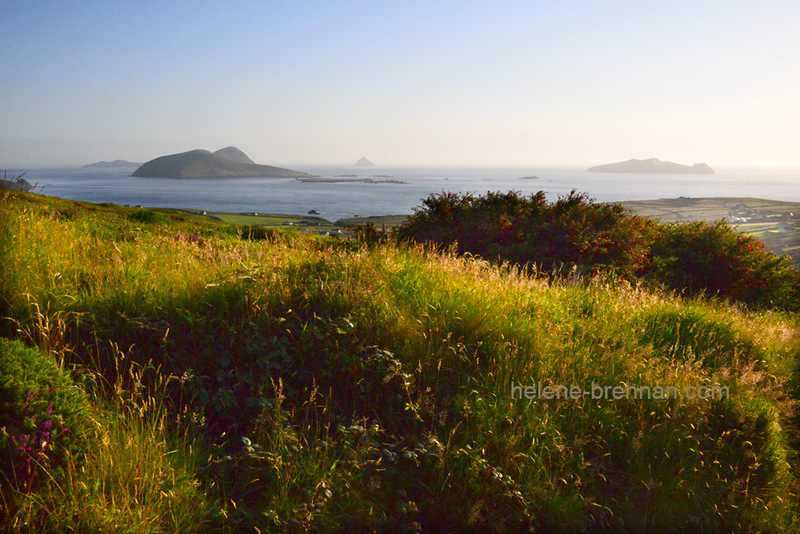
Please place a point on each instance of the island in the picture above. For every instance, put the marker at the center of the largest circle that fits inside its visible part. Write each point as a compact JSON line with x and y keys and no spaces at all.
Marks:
{"x":364,"y":162}
{"x":204,"y":164}
{"x":117,"y":163}
{"x":653,"y":165}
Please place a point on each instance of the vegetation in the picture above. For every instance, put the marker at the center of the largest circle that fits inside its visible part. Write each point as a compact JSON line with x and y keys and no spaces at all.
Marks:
{"x":575,"y":234}
{"x":760,"y":218}
{"x":230,"y":380}
{"x":43,"y":419}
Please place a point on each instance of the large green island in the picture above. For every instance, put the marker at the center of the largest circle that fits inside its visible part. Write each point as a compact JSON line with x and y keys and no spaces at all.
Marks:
{"x":229,"y":162}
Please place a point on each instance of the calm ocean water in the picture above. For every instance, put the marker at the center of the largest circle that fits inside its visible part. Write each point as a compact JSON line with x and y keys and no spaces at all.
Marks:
{"x":338,"y":200}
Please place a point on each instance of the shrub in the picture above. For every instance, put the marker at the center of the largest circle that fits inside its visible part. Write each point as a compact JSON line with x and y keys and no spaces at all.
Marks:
{"x":573,"y":231}
{"x":43,"y":417}
{"x":576,"y":233}
{"x":718,"y":260}
{"x":146,"y":216}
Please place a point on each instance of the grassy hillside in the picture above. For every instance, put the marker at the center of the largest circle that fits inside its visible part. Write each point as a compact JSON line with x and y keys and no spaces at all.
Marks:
{"x":245,"y":379}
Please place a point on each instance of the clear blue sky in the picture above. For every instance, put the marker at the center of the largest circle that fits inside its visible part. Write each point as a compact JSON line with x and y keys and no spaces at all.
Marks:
{"x":431,"y":82}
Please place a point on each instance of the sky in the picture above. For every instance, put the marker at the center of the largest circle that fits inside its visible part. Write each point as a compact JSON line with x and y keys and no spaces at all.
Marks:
{"x":434,"y":82}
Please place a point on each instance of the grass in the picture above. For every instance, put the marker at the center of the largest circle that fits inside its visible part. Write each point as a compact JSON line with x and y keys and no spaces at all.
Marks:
{"x":296,"y":382}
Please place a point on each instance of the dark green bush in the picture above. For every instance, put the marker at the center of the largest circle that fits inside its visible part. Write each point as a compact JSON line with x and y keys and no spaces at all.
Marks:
{"x":43,"y":417}
{"x":146,"y":216}
{"x":573,"y":231}
{"x":718,"y":260}
{"x":576,"y":233}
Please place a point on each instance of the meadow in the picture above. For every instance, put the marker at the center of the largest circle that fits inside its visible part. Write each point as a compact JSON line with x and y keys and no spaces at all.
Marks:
{"x":164,"y":372}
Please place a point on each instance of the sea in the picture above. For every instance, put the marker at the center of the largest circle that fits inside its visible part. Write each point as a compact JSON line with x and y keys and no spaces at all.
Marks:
{"x":385,"y":196}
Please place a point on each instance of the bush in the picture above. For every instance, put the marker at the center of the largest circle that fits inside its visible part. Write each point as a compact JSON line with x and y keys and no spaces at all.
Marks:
{"x":576,"y":233}
{"x":718,"y":260}
{"x":573,"y":231}
{"x":43,"y":417}
{"x":146,"y":216}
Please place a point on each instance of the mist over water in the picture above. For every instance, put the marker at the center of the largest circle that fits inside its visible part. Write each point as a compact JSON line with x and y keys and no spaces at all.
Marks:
{"x":338,"y":200}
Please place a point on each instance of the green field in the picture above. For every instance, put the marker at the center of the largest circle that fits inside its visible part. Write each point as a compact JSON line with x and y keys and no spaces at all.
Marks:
{"x":271,"y":220}
{"x":305,"y":223}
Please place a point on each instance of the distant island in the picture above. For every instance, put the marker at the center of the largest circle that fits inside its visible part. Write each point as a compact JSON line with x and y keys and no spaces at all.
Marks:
{"x":115,"y":163}
{"x":229,"y":162}
{"x":364,"y":162}
{"x":653,"y":165}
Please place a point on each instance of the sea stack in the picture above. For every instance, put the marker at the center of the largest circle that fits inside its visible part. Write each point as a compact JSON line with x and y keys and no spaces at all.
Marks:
{"x":364,"y":162}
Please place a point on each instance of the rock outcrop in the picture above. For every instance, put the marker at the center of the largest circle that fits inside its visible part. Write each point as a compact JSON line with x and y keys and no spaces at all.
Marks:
{"x":18,"y":183}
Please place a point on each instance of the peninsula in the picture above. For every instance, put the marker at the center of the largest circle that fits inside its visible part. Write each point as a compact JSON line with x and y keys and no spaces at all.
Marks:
{"x":653,"y":165}
{"x":226,"y":163}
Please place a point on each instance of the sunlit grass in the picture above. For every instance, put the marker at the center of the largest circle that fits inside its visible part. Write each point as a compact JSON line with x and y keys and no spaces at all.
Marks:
{"x":291,"y":383}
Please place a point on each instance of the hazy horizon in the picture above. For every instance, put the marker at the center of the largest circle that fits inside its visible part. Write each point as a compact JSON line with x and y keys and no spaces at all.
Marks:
{"x":402,"y":83}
